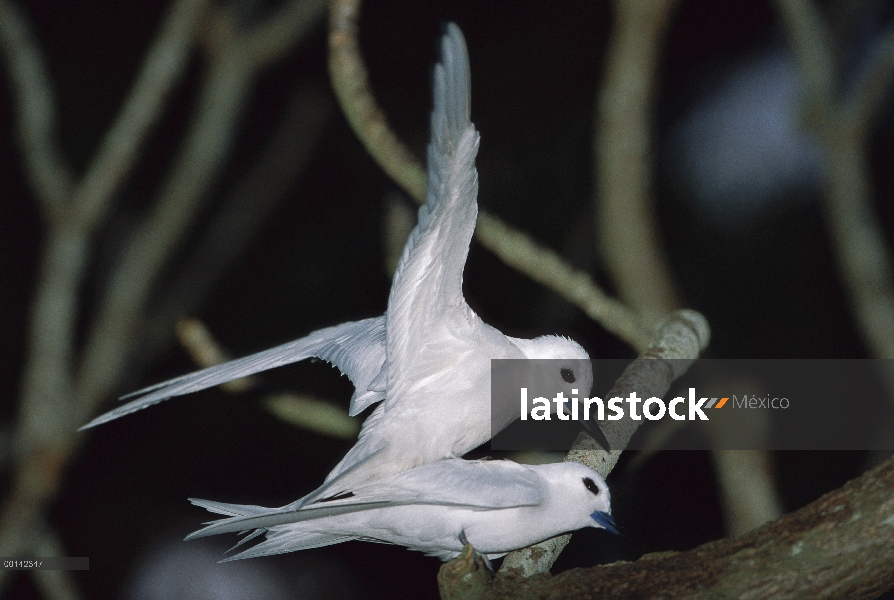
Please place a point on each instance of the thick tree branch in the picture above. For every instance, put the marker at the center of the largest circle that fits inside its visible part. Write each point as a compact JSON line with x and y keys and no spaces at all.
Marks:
{"x":840,"y":546}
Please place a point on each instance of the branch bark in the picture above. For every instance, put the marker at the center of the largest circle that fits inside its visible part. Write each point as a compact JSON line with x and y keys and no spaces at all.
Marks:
{"x":840,"y":546}
{"x":678,"y":342}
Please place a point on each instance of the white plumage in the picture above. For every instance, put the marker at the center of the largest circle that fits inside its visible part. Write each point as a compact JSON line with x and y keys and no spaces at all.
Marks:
{"x":427,"y":360}
{"x":497,"y":506}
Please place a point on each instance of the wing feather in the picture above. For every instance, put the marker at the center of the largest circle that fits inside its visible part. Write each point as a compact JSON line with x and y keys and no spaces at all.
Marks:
{"x":428,"y":280}
{"x":357,"y":348}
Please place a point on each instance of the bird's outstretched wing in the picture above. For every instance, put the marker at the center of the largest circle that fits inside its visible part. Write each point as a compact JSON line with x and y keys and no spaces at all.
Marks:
{"x":428,"y":280}
{"x":357,"y":348}
{"x":480,"y":485}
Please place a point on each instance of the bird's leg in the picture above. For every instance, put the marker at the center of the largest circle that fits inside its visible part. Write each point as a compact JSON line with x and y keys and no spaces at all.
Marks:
{"x":477,"y":556}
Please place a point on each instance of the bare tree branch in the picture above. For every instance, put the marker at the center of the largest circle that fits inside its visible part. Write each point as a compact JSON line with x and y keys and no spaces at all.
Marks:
{"x":874,"y":83}
{"x":55,"y":585}
{"x":351,"y":84}
{"x":243,"y":210}
{"x":625,"y":217}
{"x":47,"y":170}
{"x":163,"y":66}
{"x":224,"y":90}
{"x":301,"y":410}
{"x":747,"y":489}
{"x":812,"y":44}
{"x":678,"y":342}
{"x":862,"y":253}
{"x":56,"y":394}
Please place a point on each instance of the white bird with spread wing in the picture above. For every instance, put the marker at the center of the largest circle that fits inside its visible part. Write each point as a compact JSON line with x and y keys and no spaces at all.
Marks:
{"x":497,"y":506}
{"x":427,"y":360}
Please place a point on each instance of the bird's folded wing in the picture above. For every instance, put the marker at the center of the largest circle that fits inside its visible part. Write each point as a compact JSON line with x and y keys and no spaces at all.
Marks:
{"x":357,"y":348}
{"x":428,"y":280}
{"x":478,"y":485}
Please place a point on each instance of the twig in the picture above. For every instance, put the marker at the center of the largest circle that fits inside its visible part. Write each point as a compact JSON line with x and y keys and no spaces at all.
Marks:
{"x":243,"y":210}
{"x":679,"y":341}
{"x":515,"y":248}
{"x":313,"y":414}
{"x":206,"y":352}
{"x":862,"y":253}
{"x":163,"y":66}
{"x":234,"y":64}
{"x":747,"y":488}
{"x":300,"y":410}
{"x":625,"y":218}
{"x":44,"y":435}
{"x":55,"y":585}
{"x":36,"y":112}
{"x":351,"y":85}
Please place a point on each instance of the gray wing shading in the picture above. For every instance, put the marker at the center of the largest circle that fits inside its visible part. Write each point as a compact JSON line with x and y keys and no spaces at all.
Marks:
{"x":429,"y":275}
{"x":245,"y":517}
{"x":285,"y":540}
{"x":481,"y":485}
{"x":357,"y":348}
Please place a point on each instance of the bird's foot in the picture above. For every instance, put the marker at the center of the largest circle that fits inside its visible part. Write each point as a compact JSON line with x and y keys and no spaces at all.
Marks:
{"x":475,"y":556}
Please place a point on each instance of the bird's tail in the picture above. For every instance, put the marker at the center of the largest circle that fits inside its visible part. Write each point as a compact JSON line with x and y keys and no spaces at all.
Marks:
{"x":280,"y":538}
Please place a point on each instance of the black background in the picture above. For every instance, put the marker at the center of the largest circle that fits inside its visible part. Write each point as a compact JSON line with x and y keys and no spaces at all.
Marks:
{"x":769,"y":290}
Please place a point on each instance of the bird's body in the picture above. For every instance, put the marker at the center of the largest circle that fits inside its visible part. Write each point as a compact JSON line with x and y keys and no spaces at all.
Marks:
{"x":497,"y":506}
{"x":427,"y":360}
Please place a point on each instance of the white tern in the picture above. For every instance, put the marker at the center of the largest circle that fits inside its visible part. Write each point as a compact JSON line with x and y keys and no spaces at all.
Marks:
{"x":427,"y":359}
{"x":497,"y":506}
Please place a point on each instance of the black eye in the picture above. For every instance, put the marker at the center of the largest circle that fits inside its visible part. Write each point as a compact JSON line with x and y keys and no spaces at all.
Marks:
{"x":591,"y":485}
{"x":567,"y":375}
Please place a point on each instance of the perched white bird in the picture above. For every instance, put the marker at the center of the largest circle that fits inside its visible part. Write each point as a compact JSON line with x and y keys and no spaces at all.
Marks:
{"x":427,"y":360}
{"x":497,"y":506}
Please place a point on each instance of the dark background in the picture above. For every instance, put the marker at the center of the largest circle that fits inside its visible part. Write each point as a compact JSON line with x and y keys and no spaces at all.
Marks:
{"x":768,"y":287}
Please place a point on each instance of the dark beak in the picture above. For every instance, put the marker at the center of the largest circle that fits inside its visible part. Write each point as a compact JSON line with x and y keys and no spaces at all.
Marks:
{"x":606,"y":521}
